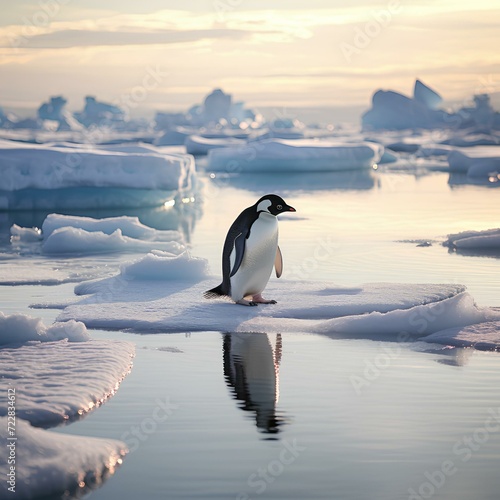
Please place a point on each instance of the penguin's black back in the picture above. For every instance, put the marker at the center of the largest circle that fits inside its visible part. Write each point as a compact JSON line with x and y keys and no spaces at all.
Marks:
{"x":241,"y":226}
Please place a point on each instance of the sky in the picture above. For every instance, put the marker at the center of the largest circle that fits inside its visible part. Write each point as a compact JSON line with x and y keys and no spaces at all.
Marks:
{"x":154,"y":55}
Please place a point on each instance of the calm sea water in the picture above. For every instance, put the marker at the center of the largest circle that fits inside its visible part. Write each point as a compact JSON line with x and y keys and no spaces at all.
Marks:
{"x":237,"y":416}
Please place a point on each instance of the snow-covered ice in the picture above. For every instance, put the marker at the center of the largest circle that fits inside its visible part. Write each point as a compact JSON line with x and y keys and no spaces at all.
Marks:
{"x":24,"y":166}
{"x":19,"y":328}
{"x":64,"y":235}
{"x":43,"y":362}
{"x":55,"y":465}
{"x":45,"y":176}
{"x":70,"y":240}
{"x":308,"y":155}
{"x":129,"y":226}
{"x":158,"y":265}
{"x":481,"y":336}
{"x":174,"y":306}
{"x":488,"y":239}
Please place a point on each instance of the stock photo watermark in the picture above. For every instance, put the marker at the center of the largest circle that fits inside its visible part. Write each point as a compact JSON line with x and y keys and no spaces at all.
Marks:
{"x":323,"y":251}
{"x":363,"y":36}
{"x":152,"y":78}
{"x":41,"y":18}
{"x":11,"y":440}
{"x":265,"y":476}
{"x":420,"y":321}
{"x":138,"y":434}
{"x":462,"y":451}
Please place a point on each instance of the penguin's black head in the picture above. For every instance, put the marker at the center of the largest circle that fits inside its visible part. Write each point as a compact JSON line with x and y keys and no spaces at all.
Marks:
{"x":273,"y":204}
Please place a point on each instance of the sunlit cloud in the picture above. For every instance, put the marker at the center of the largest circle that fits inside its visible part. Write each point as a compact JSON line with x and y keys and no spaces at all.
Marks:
{"x":258,"y":51}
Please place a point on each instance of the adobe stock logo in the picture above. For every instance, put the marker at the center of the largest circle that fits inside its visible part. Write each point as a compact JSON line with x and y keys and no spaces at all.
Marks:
{"x":364,"y":36}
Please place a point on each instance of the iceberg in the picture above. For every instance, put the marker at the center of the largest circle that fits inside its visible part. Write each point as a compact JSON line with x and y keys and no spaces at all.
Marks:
{"x":54,"y":111}
{"x":99,"y":113}
{"x":394,"y":111}
{"x":50,"y":464}
{"x":44,"y":176}
{"x":426,"y":96}
{"x":42,"y":362}
{"x":279,"y":155}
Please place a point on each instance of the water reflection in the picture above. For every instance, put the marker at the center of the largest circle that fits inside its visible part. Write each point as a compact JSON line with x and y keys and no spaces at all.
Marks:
{"x":450,"y":356}
{"x":457,"y":179}
{"x":293,"y":182}
{"x":251,"y":370}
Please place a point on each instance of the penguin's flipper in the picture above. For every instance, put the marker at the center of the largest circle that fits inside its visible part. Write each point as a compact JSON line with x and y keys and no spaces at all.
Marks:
{"x":278,"y":262}
{"x":239,"y":249}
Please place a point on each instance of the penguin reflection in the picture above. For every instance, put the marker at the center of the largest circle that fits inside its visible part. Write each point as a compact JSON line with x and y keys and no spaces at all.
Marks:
{"x":251,"y":370}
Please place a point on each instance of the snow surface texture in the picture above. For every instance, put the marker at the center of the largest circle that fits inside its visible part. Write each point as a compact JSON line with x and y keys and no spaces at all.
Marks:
{"x":41,"y":368}
{"x":57,"y":465}
{"x":485,"y":336}
{"x":309,"y":155}
{"x":63,"y":235}
{"x":45,"y":176}
{"x":470,"y":240}
{"x":373,"y":309}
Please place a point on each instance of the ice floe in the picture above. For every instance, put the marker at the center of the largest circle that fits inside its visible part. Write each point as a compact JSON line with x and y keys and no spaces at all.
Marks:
{"x":365,"y":311}
{"x":280,"y":155}
{"x":129,"y":226}
{"x":19,"y":328}
{"x":70,"y":240}
{"x":42,"y":362}
{"x":50,"y":464}
{"x":479,"y":162}
{"x":487,"y":240}
{"x":63,"y":235}
{"x":45,"y":176}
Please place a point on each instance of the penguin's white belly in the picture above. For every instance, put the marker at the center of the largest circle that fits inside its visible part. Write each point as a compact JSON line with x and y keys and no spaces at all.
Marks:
{"x":258,"y":260}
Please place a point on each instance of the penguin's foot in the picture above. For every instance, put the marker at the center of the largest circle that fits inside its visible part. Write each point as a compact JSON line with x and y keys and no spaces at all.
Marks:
{"x":258,"y":299}
{"x":244,"y":302}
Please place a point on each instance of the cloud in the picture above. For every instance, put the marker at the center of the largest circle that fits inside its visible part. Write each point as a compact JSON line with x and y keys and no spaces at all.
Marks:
{"x":64,"y":39}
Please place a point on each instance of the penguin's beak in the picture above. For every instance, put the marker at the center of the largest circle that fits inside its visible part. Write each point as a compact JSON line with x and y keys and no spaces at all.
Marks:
{"x":291,"y":209}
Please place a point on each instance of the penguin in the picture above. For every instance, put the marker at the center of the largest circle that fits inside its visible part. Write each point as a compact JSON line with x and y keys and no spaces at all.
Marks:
{"x":250,"y":252}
